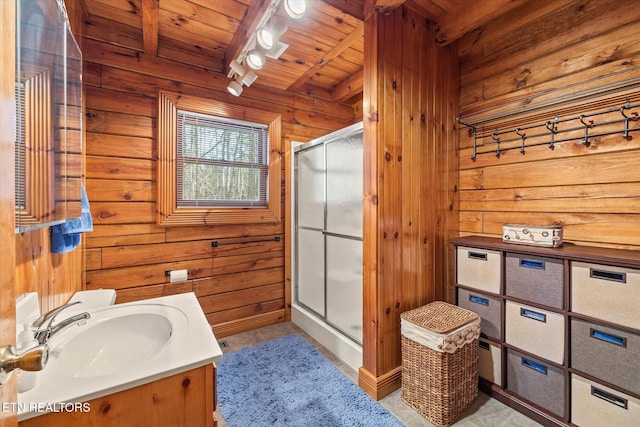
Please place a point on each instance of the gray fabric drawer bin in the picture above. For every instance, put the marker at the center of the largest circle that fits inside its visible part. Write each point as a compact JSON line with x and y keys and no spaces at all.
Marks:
{"x":487,"y":307}
{"x":535,"y":279}
{"x":607,"y":353}
{"x":536,"y":381}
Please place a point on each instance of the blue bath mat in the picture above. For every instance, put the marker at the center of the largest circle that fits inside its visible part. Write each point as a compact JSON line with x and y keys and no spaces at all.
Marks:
{"x":287,"y":382}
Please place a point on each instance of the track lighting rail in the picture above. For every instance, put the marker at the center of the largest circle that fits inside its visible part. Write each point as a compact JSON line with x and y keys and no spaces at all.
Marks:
{"x":262,"y":43}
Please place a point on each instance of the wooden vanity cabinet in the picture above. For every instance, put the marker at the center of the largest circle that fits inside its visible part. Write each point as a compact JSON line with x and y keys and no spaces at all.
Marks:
{"x":182,"y":400}
{"x":560,"y":328}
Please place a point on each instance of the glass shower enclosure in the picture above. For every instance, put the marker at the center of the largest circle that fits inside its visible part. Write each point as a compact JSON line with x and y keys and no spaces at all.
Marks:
{"x":328,"y":176}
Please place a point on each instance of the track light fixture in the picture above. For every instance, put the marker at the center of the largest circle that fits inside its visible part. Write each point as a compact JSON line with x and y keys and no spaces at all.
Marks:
{"x":235,"y":88}
{"x":268,"y":36}
{"x":265,"y":38}
{"x":248,"y":78}
{"x":295,"y":8}
{"x":256,"y":59}
{"x":264,"y":42}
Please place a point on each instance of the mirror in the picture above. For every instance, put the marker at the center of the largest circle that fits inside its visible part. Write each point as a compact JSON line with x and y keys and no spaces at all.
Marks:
{"x":48,"y":151}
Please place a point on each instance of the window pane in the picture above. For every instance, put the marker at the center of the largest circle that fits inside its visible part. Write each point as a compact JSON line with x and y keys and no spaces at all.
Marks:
{"x":216,"y":182}
{"x":221,"y":162}
{"x":207,"y":142}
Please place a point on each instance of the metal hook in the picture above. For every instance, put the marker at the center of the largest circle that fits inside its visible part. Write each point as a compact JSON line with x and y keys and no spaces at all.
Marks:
{"x":523,"y":136}
{"x":585,"y":140}
{"x":475,"y":143}
{"x":626,"y":106}
{"x":497,"y":140}
{"x":475,"y":138}
{"x":551,"y":126}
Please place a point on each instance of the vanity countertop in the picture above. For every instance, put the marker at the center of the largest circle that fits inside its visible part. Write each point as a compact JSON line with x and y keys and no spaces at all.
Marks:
{"x":72,"y":378}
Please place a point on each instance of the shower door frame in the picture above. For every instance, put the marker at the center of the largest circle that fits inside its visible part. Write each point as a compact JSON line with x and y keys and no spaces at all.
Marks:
{"x":324,"y":141}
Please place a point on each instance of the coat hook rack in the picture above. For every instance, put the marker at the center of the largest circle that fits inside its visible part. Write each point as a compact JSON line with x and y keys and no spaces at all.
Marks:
{"x":552,"y":132}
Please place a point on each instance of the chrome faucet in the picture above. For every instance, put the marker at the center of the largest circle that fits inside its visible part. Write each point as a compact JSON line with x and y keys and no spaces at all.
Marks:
{"x":49,"y":316}
{"x":43,"y":334}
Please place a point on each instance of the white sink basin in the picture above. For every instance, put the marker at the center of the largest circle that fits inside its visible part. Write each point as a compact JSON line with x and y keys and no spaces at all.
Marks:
{"x":120,"y":347}
{"x":115,"y":340}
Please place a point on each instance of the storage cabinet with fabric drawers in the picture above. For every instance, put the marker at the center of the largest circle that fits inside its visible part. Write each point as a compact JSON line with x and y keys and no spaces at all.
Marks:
{"x":480,"y":269}
{"x":596,"y":405}
{"x":536,"y":381}
{"x":535,"y":279}
{"x":606,"y":292}
{"x":535,"y":330}
{"x":488,"y":307}
{"x":490,"y":361}
{"x":609,"y":354}
{"x":560,"y":328}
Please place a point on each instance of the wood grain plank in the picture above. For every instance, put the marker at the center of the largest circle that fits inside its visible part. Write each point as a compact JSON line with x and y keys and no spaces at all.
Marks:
{"x":605,"y":168}
{"x":212,"y":232}
{"x":231,"y":315}
{"x":456,"y":23}
{"x":150,"y":23}
{"x":99,"y":167}
{"x":121,"y":102}
{"x":595,"y":198}
{"x":349,"y":87}
{"x":354,"y":8}
{"x":124,"y":256}
{"x":236,"y":281}
{"x":180,"y":400}
{"x":358,"y":33}
{"x":241,"y":298}
{"x":151,"y":291}
{"x":103,"y":190}
{"x":609,"y":229}
{"x":121,"y":146}
{"x":119,"y":124}
{"x":141,"y":83}
{"x":141,"y":276}
{"x":114,"y":32}
{"x":123,"y":213}
{"x":8,"y":391}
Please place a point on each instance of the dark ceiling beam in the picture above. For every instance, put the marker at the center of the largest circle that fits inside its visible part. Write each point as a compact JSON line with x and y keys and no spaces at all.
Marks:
{"x":358,"y":32}
{"x":426,"y":8}
{"x":354,"y":8}
{"x":249,"y":23}
{"x":380,"y":6}
{"x":349,"y":87}
{"x":150,"y":22}
{"x":455,"y":23}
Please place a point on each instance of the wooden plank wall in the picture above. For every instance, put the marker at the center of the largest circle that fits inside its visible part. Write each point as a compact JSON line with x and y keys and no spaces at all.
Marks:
{"x":55,"y":277}
{"x":410,"y":99}
{"x":559,"y":46}
{"x":241,"y":283}
{"x":8,"y":391}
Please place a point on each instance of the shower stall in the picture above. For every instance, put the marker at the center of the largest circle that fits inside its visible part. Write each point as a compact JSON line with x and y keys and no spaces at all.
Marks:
{"x":327,"y":243}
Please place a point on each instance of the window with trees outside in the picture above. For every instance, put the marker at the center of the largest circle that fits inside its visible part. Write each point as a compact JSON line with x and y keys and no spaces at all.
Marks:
{"x":217,"y":163}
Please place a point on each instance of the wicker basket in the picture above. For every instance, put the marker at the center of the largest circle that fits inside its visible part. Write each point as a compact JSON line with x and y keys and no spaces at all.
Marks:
{"x":440,"y":360}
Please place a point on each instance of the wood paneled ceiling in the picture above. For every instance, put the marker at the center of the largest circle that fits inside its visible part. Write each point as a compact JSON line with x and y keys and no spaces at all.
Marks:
{"x":325,"y":54}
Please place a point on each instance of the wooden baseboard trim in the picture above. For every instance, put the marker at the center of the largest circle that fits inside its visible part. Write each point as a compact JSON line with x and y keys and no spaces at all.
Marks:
{"x":248,"y":323}
{"x":379,"y":387}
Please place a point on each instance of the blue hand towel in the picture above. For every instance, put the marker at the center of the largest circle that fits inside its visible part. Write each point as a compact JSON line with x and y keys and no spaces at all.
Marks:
{"x":66,"y":237}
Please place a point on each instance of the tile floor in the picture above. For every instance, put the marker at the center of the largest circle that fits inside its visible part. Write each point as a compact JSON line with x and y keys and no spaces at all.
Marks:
{"x":485,"y":412}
